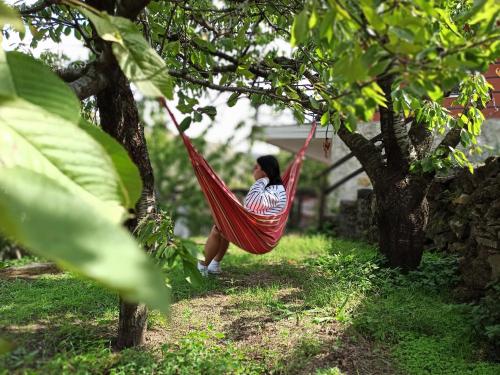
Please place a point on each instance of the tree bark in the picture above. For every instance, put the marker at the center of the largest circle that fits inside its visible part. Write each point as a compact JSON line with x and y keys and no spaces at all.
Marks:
{"x":120,"y":118}
{"x":402,"y":215}
{"x":132,"y":324}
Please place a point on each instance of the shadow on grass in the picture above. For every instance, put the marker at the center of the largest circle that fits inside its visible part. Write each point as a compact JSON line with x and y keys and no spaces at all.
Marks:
{"x":425,"y":331}
{"x":235,"y":278}
{"x":54,"y":314}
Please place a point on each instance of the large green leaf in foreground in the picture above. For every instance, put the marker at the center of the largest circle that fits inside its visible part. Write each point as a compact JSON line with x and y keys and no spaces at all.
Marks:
{"x":36,"y":83}
{"x":33,"y":138}
{"x":115,"y":179}
{"x":129,"y":178}
{"x":51,"y":221}
{"x":139,"y":62}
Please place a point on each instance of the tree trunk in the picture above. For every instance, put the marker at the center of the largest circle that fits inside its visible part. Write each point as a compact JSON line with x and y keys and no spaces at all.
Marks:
{"x":120,"y":118}
{"x":132,"y":324}
{"x":402,"y":215}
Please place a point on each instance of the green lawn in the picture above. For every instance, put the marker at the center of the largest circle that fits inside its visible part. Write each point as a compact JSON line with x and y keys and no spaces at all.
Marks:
{"x":312,"y":306}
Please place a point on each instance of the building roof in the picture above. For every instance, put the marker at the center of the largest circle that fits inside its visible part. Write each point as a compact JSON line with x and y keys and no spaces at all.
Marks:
{"x":492,"y":109}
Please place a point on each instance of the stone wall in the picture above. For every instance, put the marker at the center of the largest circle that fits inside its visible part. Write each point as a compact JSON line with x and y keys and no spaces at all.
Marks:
{"x":355,"y":218}
{"x":464,"y":219}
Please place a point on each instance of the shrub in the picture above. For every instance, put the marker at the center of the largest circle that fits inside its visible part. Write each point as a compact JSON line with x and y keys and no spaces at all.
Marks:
{"x":486,"y":318}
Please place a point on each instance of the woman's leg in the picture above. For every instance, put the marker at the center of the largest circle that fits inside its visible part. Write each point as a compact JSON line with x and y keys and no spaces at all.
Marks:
{"x":223,"y":246}
{"x":212,"y":246}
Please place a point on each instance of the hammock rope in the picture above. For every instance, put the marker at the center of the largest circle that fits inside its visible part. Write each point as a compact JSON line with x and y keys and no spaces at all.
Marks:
{"x":257,"y":234}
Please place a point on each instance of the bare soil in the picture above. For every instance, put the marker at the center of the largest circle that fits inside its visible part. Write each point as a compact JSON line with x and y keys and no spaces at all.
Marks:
{"x":293,"y":342}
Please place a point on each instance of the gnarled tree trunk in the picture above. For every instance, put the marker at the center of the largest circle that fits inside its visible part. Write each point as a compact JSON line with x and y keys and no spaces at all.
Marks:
{"x":402,"y":208}
{"x":120,"y":118}
{"x":402,"y":215}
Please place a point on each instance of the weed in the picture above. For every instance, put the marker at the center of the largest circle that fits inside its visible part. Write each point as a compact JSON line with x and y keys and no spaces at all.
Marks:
{"x":329,"y":371}
{"x":486,"y":319}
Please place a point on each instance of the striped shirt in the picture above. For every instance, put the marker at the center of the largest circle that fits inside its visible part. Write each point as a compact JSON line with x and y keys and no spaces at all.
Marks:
{"x":264,"y":200}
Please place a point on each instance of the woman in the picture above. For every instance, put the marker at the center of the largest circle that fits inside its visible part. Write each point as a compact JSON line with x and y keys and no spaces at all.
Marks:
{"x":267,"y":196}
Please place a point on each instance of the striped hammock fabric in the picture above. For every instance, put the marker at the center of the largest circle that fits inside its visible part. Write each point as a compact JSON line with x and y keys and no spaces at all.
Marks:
{"x":257,"y":234}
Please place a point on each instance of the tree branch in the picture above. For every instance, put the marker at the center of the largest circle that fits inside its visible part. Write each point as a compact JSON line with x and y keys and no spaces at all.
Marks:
{"x":451,"y":139}
{"x":421,"y":139}
{"x":394,"y":132}
{"x":37,"y":7}
{"x":91,"y":83}
{"x":71,"y":74}
{"x":131,"y":8}
{"x":242,"y":90}
{"x":167,"y":29}
{"x":366,"y":152}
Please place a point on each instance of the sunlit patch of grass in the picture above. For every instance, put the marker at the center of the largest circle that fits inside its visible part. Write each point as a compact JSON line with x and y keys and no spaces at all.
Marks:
{"x":291,"y":249}
{"x":329,"y":371}
{"x":157,"y":319}
{"x":20,"y":262}
{"x":425,"y":355}
{"x":50,"y":297}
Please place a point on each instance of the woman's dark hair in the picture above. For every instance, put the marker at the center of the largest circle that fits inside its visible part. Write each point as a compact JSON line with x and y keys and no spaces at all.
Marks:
{"x":270,"y":165}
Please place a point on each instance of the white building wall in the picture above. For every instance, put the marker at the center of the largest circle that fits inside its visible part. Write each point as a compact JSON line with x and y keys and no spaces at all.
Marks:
{"x":292,"y":137}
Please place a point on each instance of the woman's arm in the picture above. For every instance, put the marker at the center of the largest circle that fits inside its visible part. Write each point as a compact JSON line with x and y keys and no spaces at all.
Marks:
{"x":258,"y":199}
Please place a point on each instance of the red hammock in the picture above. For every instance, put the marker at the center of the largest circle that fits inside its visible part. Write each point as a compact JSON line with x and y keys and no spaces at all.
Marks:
{"x":257,"y":234}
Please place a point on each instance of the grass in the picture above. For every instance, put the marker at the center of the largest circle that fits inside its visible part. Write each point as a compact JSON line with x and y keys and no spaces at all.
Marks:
{"x":19,"y":262}
{"x":312,"y":306}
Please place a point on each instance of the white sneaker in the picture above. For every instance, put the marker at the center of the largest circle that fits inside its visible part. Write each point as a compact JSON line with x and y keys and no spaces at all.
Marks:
{"x":214,"y":267}
{"x":203,"y":269}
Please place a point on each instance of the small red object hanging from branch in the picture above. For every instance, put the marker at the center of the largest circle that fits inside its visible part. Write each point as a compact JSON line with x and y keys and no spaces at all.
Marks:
{"x":327,"y":144}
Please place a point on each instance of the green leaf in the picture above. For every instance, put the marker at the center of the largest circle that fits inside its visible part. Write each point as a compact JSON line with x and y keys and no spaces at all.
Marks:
{"x":482,"y":10}
{"x":233,"y":99}
{"x":35,"y":139}
{"x":5,"y":346}
{"x":299,"y":28}
{"x":242,"y":70}
{"x":350,"y":68}
{"x":314,"y":103}
{"x":191,"y":271}
{"x":351,"y":123}
{"x":52,"y":222}
{"x":31,"y":81}
{"x":402,"y":33}
{"x":434,"y":91}
{"x":10,"y":16}
{"x":174,"y":48}
{"x":184,"y":125}
{"x":326,"y":28}
{"x":371,"y":15}
{"x":197,"y":116}
{"x":128,"y":176}
{"x":7,"y":87}
{"x":138,"y":61}
{"x":209,"y":110}
{"x":379,"y":67}
{"x":103,"y":25}
{"x":446,"y":18}
{"x":336,"y":121}
{"x":313,"y":20}
{"x":375,"y":92}
{"x":325,"y":118}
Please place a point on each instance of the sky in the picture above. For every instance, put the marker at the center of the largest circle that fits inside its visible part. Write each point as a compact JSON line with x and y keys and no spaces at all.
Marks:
{"x":227,"y":117}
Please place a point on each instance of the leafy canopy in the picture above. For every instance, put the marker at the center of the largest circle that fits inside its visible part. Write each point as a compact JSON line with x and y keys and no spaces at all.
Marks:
{"x":321,"y":58}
